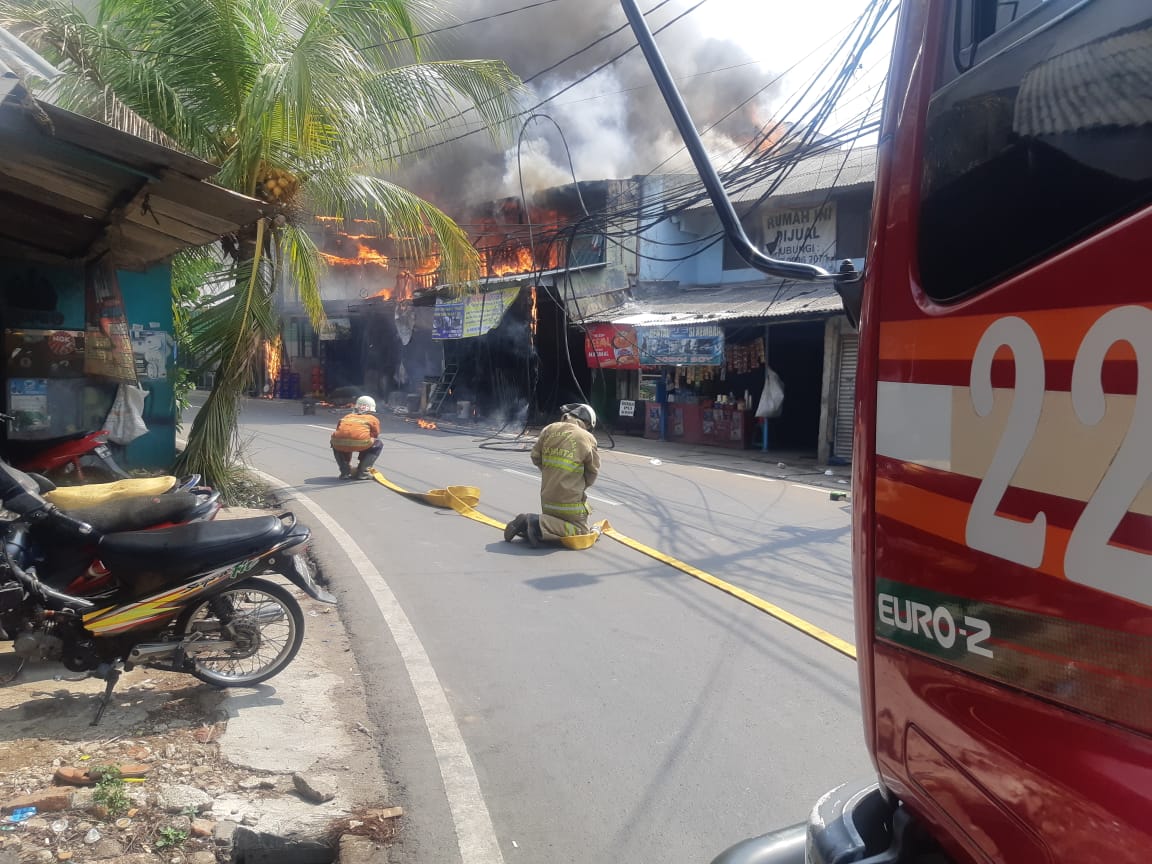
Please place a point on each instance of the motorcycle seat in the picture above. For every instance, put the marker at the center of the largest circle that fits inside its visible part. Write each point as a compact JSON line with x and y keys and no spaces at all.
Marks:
{"x":189,"y":549}
{"x":137,"y":513}
{"x":72,"y":497}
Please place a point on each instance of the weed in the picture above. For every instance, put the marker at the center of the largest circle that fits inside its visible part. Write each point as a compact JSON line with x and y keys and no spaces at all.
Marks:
{"x":111,"y":792}
{"x":169,"y":837}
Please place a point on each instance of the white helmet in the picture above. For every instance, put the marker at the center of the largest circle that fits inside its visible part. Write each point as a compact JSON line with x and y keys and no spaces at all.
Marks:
{"x":580,"y":411}
{"x":365,"y":405}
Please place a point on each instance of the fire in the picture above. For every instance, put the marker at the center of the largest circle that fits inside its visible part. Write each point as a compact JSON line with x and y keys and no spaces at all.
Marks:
{"x":535,"y":318}
{"x":272,"y":353}
{"x":425,"y":424}
{"x":520,"y":261}
{"x":365,"y":255}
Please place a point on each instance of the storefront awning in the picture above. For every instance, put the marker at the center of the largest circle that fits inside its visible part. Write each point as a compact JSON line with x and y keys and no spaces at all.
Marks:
{"x":663,"y":304}
{"x":72,"y":189}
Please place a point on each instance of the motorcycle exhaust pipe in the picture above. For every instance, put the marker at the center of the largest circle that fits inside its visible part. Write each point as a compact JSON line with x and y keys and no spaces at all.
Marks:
{"x":148,"y":651}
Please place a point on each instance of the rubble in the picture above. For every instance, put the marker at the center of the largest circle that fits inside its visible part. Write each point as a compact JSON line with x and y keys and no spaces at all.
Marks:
{"x":315,"y":789}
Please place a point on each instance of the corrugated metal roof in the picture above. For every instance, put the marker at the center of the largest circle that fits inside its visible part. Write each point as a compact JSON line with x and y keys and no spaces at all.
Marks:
{"x":19,"y":61}
{"x":72,"y":188}
{"x":1107,"y":82}
{"x":664,"y":304}
{"x":836,"y":169}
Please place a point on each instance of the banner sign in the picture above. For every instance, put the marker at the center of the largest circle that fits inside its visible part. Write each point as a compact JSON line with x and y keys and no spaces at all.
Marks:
{"x":807,"y":235}
{"x":611,"y":346}
{"x":472,"y":316}
{"x":685,"y":345}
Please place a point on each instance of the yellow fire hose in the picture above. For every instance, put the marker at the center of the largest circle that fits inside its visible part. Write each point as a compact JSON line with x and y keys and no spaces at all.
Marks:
{"x":463,"y":499}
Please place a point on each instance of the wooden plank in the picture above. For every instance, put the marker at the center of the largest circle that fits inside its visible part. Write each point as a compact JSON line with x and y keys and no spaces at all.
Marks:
{"x":212,"y":200}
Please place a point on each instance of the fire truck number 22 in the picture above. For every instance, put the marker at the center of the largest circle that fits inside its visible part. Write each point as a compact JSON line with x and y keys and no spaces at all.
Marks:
{"x":1090,"y":558}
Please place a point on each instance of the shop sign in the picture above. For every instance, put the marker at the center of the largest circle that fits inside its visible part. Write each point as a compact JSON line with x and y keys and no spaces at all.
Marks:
{"x":685,"y":345}
{"x":611,"y":346}
{"x":627,"y":408}
{"x":473,"y":316}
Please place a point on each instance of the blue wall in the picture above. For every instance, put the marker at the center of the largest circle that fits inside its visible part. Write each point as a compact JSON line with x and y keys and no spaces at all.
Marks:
{"x":148,"y":303}
{"x":43,"y":297}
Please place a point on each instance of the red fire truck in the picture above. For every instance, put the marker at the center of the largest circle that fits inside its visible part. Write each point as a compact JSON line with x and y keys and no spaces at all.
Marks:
{"x":1002,"y":501}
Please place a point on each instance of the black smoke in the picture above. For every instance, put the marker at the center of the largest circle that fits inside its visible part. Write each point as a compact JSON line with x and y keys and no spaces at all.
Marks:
{"x":612,"y":136}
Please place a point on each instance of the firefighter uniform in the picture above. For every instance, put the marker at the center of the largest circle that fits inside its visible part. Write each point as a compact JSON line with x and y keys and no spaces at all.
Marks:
{"x":569,"y":463}
{"x":356,"y":433}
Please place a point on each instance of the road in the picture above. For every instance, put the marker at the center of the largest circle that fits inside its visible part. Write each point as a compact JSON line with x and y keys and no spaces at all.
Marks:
{"x":614,"y":708}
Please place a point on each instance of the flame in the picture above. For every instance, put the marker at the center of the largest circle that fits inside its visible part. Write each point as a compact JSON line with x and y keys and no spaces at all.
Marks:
{"x":425,"y":424}
{"x":535,"y":317}
{"x":272,"y":354}
{"x":364,"y":255}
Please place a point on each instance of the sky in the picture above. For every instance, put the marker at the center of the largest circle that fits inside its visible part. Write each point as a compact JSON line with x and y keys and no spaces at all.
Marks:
{"x":615,"y":121}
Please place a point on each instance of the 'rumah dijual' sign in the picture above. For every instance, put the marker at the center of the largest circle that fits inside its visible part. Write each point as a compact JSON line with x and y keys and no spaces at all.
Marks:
{"x":807,"y":235}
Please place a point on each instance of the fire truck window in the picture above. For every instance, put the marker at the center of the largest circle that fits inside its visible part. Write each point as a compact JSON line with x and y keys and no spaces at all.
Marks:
{"x":1041,"y":142}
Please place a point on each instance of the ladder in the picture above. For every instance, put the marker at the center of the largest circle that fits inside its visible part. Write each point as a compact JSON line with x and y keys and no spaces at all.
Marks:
{"x":441,"y":389}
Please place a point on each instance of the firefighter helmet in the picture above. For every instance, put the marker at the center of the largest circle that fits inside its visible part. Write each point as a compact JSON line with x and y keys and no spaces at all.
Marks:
{"x":365,"y":405}
{"x":584,"y":413}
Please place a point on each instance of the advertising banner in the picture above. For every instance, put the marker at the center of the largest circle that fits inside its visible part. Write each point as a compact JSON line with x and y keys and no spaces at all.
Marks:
{"x":472,"y":316}
{"x":611,"y":346}
{"x":685,"y":345}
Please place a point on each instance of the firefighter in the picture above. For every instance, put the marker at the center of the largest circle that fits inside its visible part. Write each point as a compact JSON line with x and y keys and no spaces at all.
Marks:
{"x":358,"y":432}
{"x":569,"y":462}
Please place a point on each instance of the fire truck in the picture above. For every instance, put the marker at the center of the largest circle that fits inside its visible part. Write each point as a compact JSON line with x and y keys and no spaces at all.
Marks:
{"x":1002,"y":507}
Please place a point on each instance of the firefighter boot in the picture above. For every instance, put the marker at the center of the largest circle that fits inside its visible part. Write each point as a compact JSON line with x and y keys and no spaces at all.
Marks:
{"x":367,"y":460}
{"x":344,"y":463}
{"x":532,"y":530}
{"x":516,"y":528}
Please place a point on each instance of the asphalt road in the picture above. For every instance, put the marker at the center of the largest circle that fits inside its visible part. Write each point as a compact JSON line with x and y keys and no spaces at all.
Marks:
{"x":614,"y":708}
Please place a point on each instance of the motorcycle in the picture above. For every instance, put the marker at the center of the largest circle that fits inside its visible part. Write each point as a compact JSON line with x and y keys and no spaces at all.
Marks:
{"x":187,"y":599}
{"x":81,"y":458}
{"x":77,"y":569}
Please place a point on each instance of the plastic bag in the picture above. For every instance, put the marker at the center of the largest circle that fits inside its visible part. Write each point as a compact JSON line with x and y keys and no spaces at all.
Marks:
{"x":772,"y":399}
{"x":125,"y":422}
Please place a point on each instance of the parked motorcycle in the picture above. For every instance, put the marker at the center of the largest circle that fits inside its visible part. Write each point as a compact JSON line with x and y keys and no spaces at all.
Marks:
{"x":148,"y":503}
{"x":81,"y":458}
{"x":187,"y":599}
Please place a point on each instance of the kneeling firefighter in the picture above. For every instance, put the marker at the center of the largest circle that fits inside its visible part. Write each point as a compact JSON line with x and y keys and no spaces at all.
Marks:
{"x":358,"y":432}
{"x":569,"y":463}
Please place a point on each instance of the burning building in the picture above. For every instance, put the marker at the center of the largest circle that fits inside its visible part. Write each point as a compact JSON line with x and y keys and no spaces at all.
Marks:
{"x":397,"y":327}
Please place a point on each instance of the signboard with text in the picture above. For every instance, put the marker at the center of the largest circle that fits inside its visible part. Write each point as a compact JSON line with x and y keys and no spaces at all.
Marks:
{"x":806,"y":235}
{"x":473,"y":316}
{"x":611,"y":346}
{"x":684,"y":345}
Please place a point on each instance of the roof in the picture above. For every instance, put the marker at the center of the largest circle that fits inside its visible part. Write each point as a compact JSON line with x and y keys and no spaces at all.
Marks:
{"x":664,"y":303}
{"x":72,"y":188}
{"x":1107,"y":82}
{"x":19,"y":61}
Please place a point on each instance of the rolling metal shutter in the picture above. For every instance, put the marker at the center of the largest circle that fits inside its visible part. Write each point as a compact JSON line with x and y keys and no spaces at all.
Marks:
{"x":845,"y":396}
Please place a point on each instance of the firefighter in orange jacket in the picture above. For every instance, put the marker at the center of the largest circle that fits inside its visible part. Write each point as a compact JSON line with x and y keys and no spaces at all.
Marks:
{"x":358,"y":432}
{"x":569,"y":463}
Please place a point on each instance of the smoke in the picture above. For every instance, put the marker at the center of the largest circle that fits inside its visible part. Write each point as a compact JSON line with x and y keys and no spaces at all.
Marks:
{"x":616,"y":122}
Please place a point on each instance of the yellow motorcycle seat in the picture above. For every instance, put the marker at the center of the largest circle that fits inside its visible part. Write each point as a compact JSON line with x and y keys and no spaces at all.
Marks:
{"x":71,"y":497}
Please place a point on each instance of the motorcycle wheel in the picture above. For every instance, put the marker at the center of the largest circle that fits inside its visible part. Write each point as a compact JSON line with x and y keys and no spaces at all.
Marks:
{"x":268,"y":623}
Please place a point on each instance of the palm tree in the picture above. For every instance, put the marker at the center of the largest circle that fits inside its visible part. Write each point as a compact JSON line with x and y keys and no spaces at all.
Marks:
{"x":305,"y":104}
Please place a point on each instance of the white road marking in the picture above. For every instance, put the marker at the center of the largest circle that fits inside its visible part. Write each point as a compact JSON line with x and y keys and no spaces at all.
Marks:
{"x":535,"y":477}
{"x":474,"y":831}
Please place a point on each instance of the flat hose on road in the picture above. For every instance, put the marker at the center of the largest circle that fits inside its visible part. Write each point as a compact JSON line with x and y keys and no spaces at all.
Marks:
{"x":463,"y":499}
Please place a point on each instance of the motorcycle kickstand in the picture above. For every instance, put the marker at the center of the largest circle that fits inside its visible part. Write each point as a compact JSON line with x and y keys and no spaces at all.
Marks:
{"x":111,"y":680}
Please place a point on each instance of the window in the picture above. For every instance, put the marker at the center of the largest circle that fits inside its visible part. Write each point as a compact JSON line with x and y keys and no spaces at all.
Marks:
{"x":1039,"y":133}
